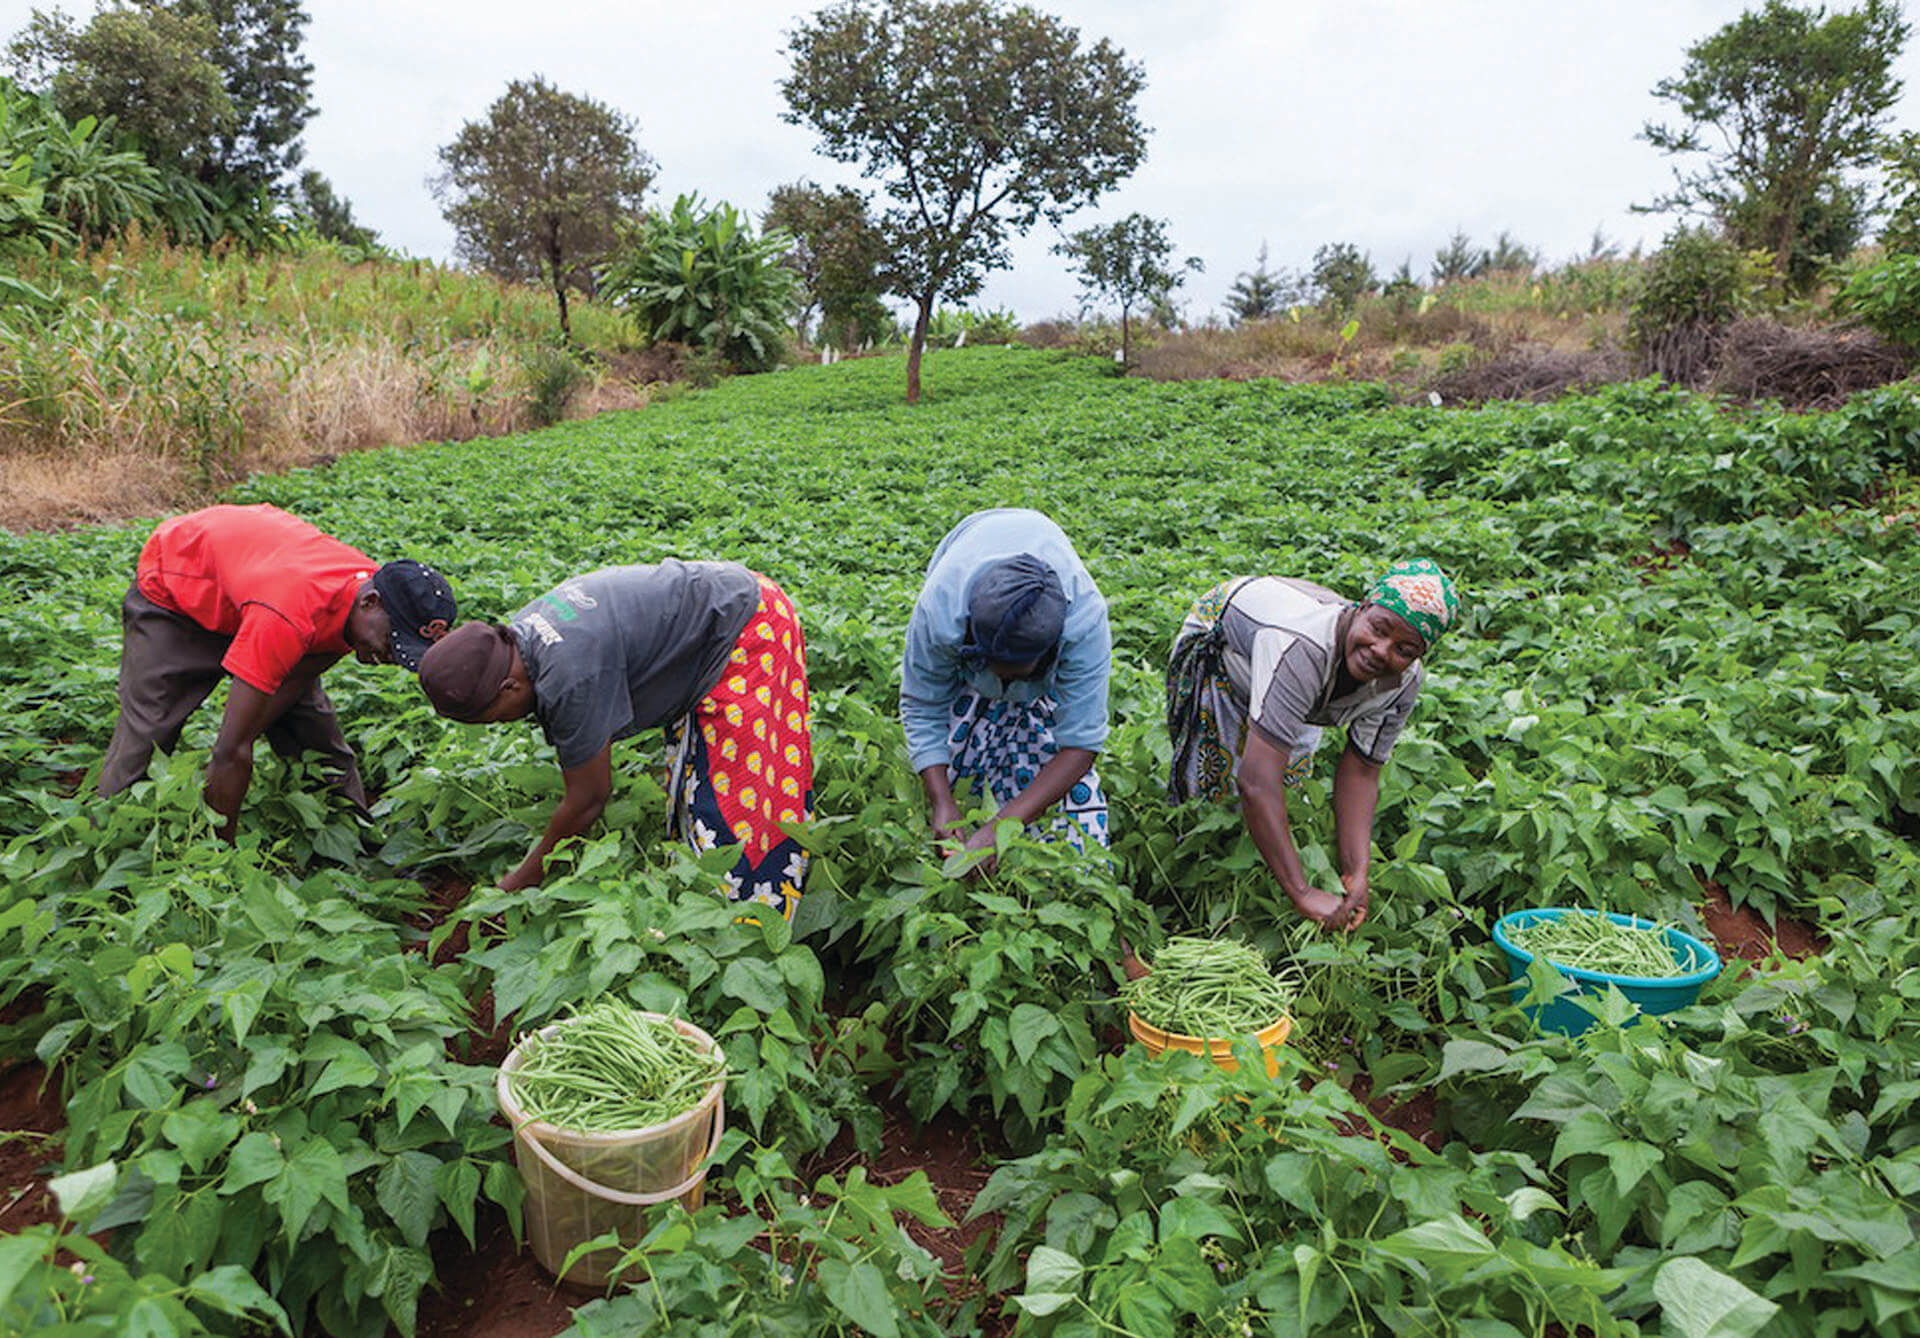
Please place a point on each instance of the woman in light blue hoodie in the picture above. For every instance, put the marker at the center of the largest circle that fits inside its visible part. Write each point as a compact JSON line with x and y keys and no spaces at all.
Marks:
{"x":1004,"y":680}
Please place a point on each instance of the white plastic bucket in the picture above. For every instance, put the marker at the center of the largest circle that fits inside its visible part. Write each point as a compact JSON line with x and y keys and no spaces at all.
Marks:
{"x":581,"y":1185}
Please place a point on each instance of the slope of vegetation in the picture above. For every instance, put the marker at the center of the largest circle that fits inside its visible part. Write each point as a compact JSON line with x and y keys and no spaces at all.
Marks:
{"x":1688,"y":655}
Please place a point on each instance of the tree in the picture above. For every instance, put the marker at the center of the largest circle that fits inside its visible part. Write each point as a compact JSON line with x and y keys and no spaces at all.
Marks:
{"x":148,"y":68}
{"x":1509,"y":256}
{"x":268,"y":81}
{"x":700,"y":276}
{"x":1901,"y":159}
{"x":535,"y":191}
{"x":1260,"y":293}
{"x":977,"y":120}
{"x":1129,"y":263}
{"x":1458,"y":259}
{"x":837,"y":254}
{"x":331,"y":214}
{"x":1797,"y":98}
{"x":217,"y":89}
{"x":1342,"y":276}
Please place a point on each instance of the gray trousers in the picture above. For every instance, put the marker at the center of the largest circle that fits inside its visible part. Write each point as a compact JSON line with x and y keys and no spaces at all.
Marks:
{"x":168,"y":665}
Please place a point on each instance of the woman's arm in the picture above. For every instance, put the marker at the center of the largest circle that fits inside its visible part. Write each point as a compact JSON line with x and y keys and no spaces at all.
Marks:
{"x":588,"y":786}
{"x":1263,"y":800}
{"x":1356,"y":794}
{"x":1046,"y":789}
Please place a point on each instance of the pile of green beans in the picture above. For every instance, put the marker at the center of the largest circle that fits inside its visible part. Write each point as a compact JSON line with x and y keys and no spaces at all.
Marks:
{"x":1209,"y":987}
{"x":1589,"y":941}
{"x":609,"y":1068}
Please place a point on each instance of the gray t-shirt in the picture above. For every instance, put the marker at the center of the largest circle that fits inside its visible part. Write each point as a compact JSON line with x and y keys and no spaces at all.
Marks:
{"x":1282,"y":657}
{"x":627,"y":648}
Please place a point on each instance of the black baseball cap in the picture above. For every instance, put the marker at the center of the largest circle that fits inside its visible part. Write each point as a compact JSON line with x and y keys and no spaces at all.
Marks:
{"x":414,"y":595}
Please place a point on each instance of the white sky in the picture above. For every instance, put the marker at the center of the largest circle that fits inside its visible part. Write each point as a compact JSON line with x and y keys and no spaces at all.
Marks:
{"x":1386,"y":123}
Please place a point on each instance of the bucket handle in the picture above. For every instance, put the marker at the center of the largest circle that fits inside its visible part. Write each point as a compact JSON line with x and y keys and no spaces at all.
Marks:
{"x":578,"y":1181}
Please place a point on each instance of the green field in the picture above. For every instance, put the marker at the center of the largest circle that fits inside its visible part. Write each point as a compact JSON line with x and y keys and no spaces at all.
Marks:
{"x":1689,"y":653}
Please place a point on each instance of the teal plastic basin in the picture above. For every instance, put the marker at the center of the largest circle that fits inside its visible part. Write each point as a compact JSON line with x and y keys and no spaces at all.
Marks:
{"x":1652,"y":994}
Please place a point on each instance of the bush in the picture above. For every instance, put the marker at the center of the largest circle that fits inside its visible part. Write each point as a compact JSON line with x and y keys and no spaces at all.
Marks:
{"x":1695,"y":286}
{"x":553,"y":375}
{"x":700,"y":276}
{"x":1885,"y":298}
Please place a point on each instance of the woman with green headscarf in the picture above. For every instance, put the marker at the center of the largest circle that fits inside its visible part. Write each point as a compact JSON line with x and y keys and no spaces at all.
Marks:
{"x":1261,"y":667}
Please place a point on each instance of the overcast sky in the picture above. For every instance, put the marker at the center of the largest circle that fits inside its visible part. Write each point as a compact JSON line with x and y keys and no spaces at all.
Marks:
{"x":1386,"y":123}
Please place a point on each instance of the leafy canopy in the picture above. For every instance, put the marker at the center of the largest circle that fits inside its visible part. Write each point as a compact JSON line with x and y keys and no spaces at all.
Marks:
{"x":535,"y":190}
{"x":1794,"y":98}
{"x":977,"y":119}
{"x":150,"y":69}
{"x":837,"y":253}
{"x":1129,"y":263}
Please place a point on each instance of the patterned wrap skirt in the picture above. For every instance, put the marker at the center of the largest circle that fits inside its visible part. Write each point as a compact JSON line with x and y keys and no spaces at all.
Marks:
{"x":1002,"y":745}
{"x":743,"y":758}
{"x":1206,"y":717}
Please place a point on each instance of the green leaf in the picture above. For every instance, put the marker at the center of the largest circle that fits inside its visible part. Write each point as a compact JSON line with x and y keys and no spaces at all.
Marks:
{"x":313,"y":1173}
{"x":1029,"y":1025}
{"x":18,"y":1254}
{"x":1471,"y":1057}
{"x":1051,"y":1270}
{"x":1631,"y":1160}
{"x":152,"y":1077}
{"x":1697,"y":1300}
{"x":1450,"y":1241}
{"x":200,"y":1131}
{"x":82,"y":1194}
{"x":347,"y":1065}
{"x":1189,"y":1218}
{"x":254,"y":1159}
{"x":754,"y":983}
{"x":405,"y":1191}
{"x":458,"y":1185}
{"x":231,"y":1290}
{"x":859,"y":1292}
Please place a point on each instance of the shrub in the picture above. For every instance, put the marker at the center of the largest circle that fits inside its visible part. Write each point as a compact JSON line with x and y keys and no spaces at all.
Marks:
{"x":553,"y":375}
{"x":700,"y":276}
{"x":1695,"y":286}
{"x":1885,"y":297}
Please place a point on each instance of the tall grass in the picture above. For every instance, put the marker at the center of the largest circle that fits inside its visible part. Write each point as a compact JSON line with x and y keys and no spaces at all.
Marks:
{"x":182,"y":370}
{"x":1414,"y":336}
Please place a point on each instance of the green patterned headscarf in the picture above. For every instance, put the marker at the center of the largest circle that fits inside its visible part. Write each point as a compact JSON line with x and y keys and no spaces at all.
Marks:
{"x":1419,"y":592}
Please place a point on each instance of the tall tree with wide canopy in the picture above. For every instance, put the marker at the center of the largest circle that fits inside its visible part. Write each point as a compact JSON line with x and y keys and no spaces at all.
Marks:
{"x":1796,"y":98}
{"x":536,"y":190}
{"x":977,"y":119}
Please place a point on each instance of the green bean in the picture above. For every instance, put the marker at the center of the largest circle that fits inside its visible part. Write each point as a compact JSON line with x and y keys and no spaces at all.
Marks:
{"x":1589,"y":941}
{"x":609,"y":1067}
{"x":1209,"y":987}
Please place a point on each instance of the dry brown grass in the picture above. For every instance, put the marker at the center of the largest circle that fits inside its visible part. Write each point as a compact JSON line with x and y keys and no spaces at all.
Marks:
{"x":129,"y":456}
{"x":1395,"y":342}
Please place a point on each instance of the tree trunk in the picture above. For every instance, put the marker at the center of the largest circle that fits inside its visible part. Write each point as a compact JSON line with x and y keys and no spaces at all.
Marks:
{"x":921,"y":320}
{"x":1126,"y":345}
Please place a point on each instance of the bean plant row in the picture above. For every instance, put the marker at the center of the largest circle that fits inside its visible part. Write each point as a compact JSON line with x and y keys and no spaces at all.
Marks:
{"x":1689,"y":666}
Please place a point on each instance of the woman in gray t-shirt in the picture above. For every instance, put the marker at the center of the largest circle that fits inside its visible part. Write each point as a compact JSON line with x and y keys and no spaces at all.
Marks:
{"x":1261,"y":667}
{"x":709,"y":651}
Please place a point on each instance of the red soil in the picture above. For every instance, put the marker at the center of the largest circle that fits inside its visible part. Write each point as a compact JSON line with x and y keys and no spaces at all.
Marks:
{"x":30,"y":1111}
{"x":1742,"y":933}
